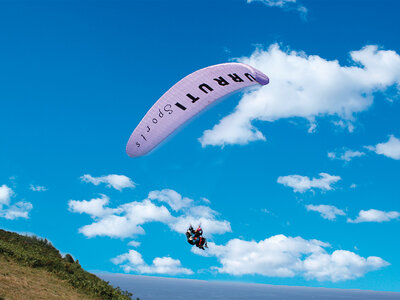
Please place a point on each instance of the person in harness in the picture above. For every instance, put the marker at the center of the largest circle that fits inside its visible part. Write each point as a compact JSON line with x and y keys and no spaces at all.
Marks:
{"x":195,"y":237}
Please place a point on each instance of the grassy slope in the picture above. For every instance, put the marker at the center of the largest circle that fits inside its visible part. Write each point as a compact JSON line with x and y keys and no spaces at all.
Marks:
{"x":19,"y":282}
{"x":31,"y":268}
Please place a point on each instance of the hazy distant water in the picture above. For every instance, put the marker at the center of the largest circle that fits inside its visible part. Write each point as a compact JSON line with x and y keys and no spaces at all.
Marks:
{"x":158,"y":288}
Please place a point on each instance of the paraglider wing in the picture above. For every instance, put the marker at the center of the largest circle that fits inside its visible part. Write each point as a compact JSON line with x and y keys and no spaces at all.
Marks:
{"x":186,"y":99}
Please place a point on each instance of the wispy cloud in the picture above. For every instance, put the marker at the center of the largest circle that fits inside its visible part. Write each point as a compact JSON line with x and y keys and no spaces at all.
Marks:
{"x":133,"y":262}
{"x":37,"y":188}
{"x":390,"y":149}
{"x":304,"y":183}
{"x":285,"y":4}
{"x":207,"y":201}
{"x":346,"y":155}
{"x":327,"y":211}
{"x":374,"y":215}
{"x":134,"y":244}
{"x":118,"y":182}
{"x":281,"y":256}
{"x":309,"y":87}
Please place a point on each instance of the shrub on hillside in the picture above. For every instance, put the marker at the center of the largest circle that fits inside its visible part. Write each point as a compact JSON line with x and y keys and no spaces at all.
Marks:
{"x":35,"y":252}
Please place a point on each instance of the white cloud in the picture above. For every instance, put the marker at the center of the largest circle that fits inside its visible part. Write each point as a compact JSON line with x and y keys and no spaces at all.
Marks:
{"x":374,"y":215}
{"x":306,"y":86}
{"x":278,"y":3}
{"x":353,"y":186}
{"x":390,"y":149}
{"x":340,"y":265}
{"x":207,"y":201}
{"x":203,"y":215}
{"x":346,"y":155}
{"x":37,"y":188}
{"x":133,"y":257}
{"x":20,"y":209}
{"x":281,"y":256}
{"x":285,"y":4}
{"x":133,"y":262}
{"x":134,"y":243}
{"x":14,"y":211}
{"x":127,"y":219}
{"x":327,"y":211}
{"x":94,"y":207}
{"x":174,"y":199}
{"x":303,"y":183}
{"x":5,"y":195}
{"x":118,"y":182}
{"x":332,"y":155}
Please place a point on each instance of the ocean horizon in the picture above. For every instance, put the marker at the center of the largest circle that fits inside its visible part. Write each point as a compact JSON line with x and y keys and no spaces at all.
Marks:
{"x":161,"y":288}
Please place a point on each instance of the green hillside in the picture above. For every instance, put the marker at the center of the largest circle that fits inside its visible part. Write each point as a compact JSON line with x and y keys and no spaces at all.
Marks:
{"x":31,"y":268}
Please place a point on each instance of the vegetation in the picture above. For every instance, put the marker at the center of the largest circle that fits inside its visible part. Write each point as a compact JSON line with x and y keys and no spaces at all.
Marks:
{"x":39,"y":254}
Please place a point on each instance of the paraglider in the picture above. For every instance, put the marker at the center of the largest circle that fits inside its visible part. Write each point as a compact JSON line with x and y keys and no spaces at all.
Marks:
{"x":186,"y":99}
{"x":195,"y":237}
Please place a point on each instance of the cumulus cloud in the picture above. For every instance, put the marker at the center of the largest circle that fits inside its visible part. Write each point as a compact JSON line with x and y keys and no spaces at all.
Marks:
{"x":390,"y":149}
{"x":94,"y":207}
{"x":340,"y":265}
{"x":374,"y":215}
{"x":14,"y":211}
{"x":285,"y":4}
{"x":303,"y":183}
{"x":118,"y":182}
{"x":37,"y":188}
{"x":203,"y":215}
{"x":133,"y":262}
{"x":346,"y":155}
{"x":5,"y":195}
{"x":327,"y":211}
{"x":281,"y":256}
{"x":174,"y":199}
{"x":20,"y":209}
{"x":127,"y":220}
{"x":306,"y":86}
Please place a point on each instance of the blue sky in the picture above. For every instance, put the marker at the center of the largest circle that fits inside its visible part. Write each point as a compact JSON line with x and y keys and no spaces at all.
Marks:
{"x":313,"y":202}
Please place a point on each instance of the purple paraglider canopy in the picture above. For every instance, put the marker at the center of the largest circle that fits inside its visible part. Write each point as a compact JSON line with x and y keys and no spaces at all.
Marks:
{"x":186,"y":99}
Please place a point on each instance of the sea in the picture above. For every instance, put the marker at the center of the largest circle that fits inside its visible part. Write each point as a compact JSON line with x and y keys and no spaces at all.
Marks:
{"x":161,"y":288}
